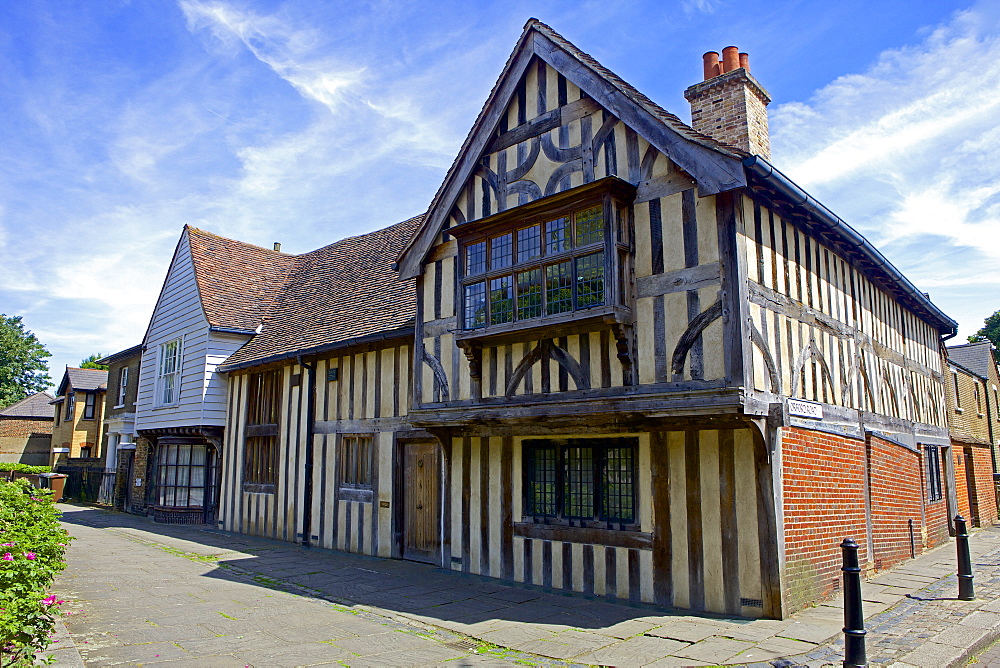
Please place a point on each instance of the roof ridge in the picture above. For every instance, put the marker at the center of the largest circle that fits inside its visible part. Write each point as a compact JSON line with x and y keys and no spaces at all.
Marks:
{"x":363,"y":234}
{"x":213,"y":235}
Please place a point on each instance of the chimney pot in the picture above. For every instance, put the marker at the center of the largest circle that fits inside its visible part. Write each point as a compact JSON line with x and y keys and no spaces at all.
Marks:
{"x":711,"y":62}
{"x":277,"y":246}
{"x":730,"y":59}
{"x":730,"y":105}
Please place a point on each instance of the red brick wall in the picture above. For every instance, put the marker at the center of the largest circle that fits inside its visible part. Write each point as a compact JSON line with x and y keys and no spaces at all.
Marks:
{"x":823,"y":478}
{"x":983,"y":467}
{"x":961,"y":482}
{"x":895,"y":488}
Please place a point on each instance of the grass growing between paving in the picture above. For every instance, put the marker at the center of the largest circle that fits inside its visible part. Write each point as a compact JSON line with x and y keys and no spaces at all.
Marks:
{"x":447,"y":638}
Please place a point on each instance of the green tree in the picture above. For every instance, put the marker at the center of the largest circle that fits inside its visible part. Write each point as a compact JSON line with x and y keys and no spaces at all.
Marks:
{"x":990,"y":332}
{"x":23,"y":369}
{"x":91,"y":362}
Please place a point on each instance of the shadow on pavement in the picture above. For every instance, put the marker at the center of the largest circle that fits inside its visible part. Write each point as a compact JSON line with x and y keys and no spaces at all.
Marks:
{"x":424,"y":592}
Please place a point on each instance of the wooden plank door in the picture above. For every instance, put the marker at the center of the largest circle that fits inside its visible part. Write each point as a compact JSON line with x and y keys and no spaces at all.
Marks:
{"x":421,"y":526}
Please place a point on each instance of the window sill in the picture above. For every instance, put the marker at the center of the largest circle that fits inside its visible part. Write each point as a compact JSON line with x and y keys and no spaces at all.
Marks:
{"x":161,"y":406}
{"x":959,"y":410}
{"x":608,"y":537}
{"x":118,"y":406}
{"x":359,"y":494}
{"x":585,"y":317}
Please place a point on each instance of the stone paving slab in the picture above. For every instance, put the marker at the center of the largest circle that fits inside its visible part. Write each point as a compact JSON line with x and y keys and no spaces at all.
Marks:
{"x":263,"y":602}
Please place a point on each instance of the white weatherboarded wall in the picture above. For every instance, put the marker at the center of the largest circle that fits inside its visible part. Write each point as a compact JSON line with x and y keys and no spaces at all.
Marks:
{"x":178,"y":313}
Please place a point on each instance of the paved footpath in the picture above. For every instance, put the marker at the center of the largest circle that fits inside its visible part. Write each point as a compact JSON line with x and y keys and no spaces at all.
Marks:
{"x":143,"y":593}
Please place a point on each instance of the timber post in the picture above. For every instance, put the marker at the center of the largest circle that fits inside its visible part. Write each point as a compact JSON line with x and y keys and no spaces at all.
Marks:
{"x":854,"y":616}
{"x":965,"y":585}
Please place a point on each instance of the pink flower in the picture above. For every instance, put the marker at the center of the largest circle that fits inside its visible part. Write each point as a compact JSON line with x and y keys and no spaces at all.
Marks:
{"x":8,"y":557}
{"x":51,"y":600}
{"x":30,"y":555}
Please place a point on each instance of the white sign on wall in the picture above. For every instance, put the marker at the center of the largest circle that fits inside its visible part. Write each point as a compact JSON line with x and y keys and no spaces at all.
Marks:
{"x":805,"y":409}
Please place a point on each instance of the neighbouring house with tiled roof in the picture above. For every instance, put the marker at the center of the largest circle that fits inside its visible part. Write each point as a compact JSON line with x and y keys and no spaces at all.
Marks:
{"x":26,"y":430}
{"x":214,"y":296}
{"x":618,"y":355}
{"x":118,"y":440}
{"x":79,"y":415}
{"x":973,"y":384}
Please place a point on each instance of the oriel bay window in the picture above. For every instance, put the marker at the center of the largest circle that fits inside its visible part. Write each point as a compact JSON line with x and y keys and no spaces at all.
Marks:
{"x":260,"y":452}
{"x":545,"y":260}
{"x":584,"y":482}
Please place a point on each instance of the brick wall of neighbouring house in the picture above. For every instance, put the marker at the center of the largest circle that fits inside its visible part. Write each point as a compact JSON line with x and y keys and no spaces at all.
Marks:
{"x":823,"y":480}
{"x":140,"y":469}
{"x":25,"y":441}
{"x":961,"y":481}
{"x":935,"y":512}
{"x":896,"y":498}
{"x":24,"y":427}
{"x":983,"y":466}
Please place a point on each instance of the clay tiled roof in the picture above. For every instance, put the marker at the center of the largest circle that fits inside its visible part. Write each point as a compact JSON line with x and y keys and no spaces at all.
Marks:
{"x":344,"y":291}
{"x":238,"y":282}
{"x":35,"y":406}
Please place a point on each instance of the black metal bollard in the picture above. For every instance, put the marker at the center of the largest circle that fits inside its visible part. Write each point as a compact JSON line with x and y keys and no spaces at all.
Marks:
{"x":854,"y":616}
{"x":965,"y":586}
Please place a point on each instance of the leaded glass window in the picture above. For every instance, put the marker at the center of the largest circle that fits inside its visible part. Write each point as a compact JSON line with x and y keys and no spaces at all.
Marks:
{"x":559,"y":287}
{"x":590,"y":280}
{"x":529,"y":294}
{"x":475,"y":305}
{"x":555,"y":266}
{"x":501,"y":300}
{"x":581,"y":481}
{"x":529,"y":243}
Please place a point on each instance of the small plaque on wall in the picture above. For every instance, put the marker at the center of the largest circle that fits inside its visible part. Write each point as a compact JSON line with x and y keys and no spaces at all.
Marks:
{"x":807,"y":409}
{"x":332,"y":374}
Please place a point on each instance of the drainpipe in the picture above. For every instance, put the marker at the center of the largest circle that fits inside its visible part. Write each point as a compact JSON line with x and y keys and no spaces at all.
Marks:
{"x":310,"y":423}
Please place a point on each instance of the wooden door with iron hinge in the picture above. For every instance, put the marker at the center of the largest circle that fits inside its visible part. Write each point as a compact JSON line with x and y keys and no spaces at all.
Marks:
{"x":421,"y":494}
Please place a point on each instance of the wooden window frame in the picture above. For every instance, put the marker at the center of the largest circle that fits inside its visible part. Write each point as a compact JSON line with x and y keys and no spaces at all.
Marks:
{"x":122,"y":386}
{"x":173,"y":488}
{"x":355,"y":467}
{"x":260,"y":433}
{"x":935,"y":484}
{"x":171,"y":378}
{"x":70,"y":405}
{"x":90,"y":405}
{"x":614,"y":195}
{"x":599,"y":479}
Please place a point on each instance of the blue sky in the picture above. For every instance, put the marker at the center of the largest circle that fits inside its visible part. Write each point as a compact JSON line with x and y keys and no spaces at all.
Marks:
{"x":304,"y":122}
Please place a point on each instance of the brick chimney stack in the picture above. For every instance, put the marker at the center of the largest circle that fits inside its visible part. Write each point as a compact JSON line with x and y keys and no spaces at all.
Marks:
{"x":730,"y":105}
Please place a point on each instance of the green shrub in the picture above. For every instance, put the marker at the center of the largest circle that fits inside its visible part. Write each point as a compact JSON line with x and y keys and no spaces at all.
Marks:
{"x":32,"y":550}
{"x":24,"y":468}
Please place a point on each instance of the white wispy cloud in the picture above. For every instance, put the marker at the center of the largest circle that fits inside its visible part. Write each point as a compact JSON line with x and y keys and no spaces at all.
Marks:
{"x":889,"y":149}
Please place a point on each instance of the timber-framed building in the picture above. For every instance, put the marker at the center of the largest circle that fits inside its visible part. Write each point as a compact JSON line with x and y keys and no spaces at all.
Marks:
{"x":618,"y":355}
